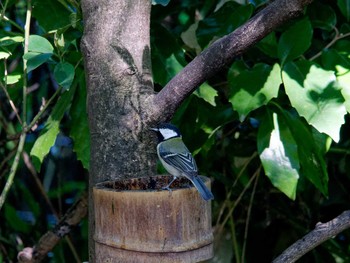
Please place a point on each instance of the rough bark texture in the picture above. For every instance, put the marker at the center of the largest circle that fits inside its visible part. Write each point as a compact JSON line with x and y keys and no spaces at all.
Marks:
{"x":221,"y":54}
{"x":118,"y":79}
{"x":116,"y":50}
{"x":321,"y":233}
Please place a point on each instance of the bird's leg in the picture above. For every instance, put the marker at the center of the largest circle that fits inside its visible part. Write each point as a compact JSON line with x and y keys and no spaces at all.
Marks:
{"x":168,"y":186}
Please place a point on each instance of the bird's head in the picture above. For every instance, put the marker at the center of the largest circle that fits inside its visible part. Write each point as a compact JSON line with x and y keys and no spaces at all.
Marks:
{"x":166,"y":131}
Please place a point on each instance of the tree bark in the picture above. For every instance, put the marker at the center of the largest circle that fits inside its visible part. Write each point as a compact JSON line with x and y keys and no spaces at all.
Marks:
{"x":116,"y":49}
{"x":321,"y":233}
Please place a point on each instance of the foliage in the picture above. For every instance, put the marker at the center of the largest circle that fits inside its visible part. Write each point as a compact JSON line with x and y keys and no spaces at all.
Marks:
{"x":280,"y":109}
{"x":40,"y":53}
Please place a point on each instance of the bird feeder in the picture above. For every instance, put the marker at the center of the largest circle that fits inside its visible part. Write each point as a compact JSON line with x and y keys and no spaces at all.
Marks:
{"x":137,"y":221}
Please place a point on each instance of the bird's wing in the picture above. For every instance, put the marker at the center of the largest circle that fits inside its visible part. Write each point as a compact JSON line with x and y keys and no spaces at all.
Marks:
{"x":180,"y":158}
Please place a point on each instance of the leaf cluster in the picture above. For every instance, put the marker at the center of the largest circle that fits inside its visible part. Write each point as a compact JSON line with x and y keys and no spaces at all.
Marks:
{"x":282,"y":107}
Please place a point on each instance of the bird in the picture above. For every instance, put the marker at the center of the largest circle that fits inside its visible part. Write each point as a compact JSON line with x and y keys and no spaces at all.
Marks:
{"x":177,"y":159}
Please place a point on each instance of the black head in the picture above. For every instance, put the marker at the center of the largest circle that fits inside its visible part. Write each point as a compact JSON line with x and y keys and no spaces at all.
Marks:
{"x":166,"y":131}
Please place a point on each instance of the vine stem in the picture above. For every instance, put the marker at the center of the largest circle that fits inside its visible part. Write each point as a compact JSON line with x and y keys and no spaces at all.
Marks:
{"x":22,"y":138}
{"x":249,"y":216}
{"x":42,"y":110}
{"x":13,"y":170}
{"x":26,"y":44}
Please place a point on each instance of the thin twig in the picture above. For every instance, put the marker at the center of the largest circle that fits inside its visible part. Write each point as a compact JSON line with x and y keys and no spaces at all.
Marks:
{"x":233,"y":185}
{"x":37,"y":181}
{"x":13,"y":170}
{"x":232,"y":208}
{"x":4,"y":88}
{"x":42,"y":110}
{"x":26,"y":44}
{"x":337,"y":37}
{"x":49,"y":240}
{"x":7,"y":158}
{"x":248,"y":216}
{"x":4,"y":9}
{"x":33,"y":172}
{"x":12,"y":23}
{"x":234,"y":239}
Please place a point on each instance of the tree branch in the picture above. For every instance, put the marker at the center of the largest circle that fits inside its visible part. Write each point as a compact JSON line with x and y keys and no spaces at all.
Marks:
{"x":50,"y":239}
{"x":321,"y":233}
{"x":221,"y":54}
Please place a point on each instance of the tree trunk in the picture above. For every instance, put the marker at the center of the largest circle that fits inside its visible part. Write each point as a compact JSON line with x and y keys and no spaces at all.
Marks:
{"x":116,"y":48}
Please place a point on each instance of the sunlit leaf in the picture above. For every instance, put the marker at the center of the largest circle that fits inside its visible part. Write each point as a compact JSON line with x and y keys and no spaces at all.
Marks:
{"x":339,"y":63}
{"x":207,"y":93}
{"x":253,"y":88}
{"x":51,"y":129}
{"x":4,"y":55}
{"x":39,"y":44}
{"x":279,"y":154}
{"x":313,"y":92}
{"x":311,"y":151}
{"x":7,"y":41}
{"x":13,"y":78}
{"x":40,"y":51}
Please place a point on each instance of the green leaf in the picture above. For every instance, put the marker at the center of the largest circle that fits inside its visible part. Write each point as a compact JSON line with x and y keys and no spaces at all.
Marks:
{"x":295,"y":41}
{"x":79,"y":131}
{"x":322,"y":16}
{"x":222,"y":22}
{"x":311,"y":151}
{"x":207,"y":93}
{"x":279,"y":154}
{"x":13,"y":78}
{"x":40,"y":50}
{"x":189,"y":37}
{"x":39,"y":44}
{"x":51,"y":15}
{"x":344,"y":6}
{"x":4,"y":55}
{"x":166,"y":59}
{"x":7,"y":41}
{"x":253,"y":88}
{"x":34,"y":60}
{"x":268,"y":45}
{"x":314,"y":94}
{"x":49,"y":133}
{"x":339,"y":63}
{"x":64,"y":74}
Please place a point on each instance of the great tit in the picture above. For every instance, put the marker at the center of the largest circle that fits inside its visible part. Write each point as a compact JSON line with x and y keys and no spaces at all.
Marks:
{"x":177,"y":159}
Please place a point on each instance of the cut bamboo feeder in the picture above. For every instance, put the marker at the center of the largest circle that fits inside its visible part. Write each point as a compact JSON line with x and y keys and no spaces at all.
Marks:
{"x":137,"y":221}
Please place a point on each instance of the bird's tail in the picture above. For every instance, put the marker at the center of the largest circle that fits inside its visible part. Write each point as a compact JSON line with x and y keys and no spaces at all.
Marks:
{"x":202,"y":188}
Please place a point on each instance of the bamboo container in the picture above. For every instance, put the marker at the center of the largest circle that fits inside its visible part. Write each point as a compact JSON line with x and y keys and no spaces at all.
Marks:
{"x":137,"y":221}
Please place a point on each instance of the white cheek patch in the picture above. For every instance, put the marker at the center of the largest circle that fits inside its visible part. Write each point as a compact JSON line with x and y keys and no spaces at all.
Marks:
{"x":167,"y":133}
